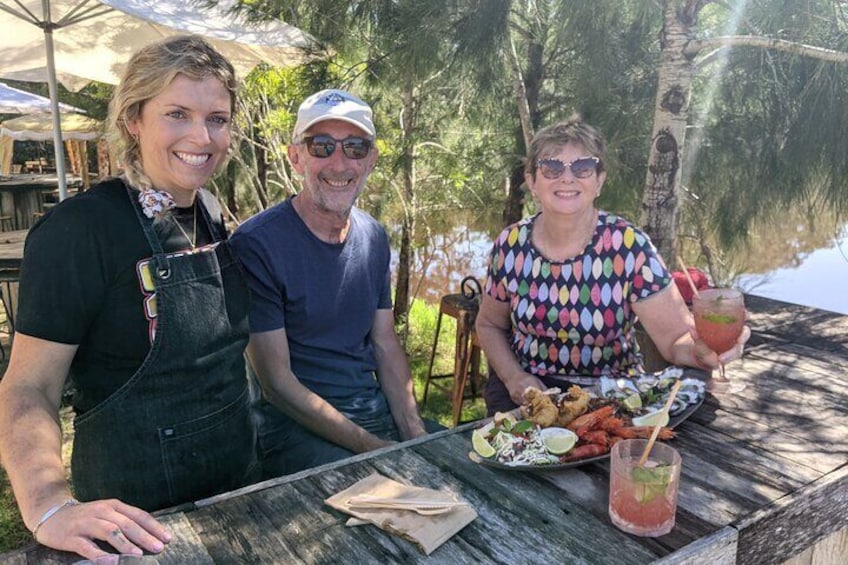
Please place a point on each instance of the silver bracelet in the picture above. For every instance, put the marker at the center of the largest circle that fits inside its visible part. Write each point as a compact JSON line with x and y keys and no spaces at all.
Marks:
{"x":51,"y":511}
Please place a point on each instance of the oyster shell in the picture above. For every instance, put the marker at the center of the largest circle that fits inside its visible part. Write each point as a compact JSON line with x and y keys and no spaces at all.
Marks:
{"x":616,"y":388}
{"x":657,"y":387}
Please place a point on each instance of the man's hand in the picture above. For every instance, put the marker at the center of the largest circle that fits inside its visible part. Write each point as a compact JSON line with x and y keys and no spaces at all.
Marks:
{"x":394,"y":376}
{"x":126,"y":528}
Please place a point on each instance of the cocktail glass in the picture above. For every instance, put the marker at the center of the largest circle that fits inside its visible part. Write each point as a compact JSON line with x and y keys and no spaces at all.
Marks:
{"x":643,"y":499}
{"x":719,"y":318}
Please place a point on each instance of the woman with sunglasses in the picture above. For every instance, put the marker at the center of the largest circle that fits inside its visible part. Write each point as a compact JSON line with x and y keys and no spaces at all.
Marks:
{"x":566,"y":286}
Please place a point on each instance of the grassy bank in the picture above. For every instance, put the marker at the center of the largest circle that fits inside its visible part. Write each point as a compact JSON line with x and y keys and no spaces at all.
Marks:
{"x":13,"y":534}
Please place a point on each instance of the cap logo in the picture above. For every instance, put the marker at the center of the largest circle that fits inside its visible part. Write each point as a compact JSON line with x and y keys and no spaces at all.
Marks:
{"x":334,"y":99}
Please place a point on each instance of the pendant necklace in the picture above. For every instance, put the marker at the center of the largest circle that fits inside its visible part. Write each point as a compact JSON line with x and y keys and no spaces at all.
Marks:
{"x":193,"y":239}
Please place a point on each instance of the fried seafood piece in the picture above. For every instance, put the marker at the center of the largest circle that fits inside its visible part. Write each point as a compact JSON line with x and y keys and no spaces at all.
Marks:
{"x":571,"y":405}
{"x":540,"y":408}
{"x":504,"y":418}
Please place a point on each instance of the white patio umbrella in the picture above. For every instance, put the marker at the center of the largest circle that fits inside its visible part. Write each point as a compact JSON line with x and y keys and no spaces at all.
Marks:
{"x":16,"y":101}
{"x":38,"y":127}
{"x":76,"y":130}
{"x":77,"y":41}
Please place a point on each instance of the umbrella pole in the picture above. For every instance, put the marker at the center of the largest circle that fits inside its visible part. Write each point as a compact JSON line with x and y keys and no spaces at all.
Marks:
{"x":54,"y":103}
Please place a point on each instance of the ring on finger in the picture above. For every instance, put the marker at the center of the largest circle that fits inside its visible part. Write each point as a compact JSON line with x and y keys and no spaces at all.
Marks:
{"x":116,"y":533}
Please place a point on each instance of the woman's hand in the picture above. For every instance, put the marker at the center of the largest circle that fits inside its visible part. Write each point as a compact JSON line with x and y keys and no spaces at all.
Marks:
{"x":126,"y":528}
{"x":517,"y":386}
{"x":709,"y":359}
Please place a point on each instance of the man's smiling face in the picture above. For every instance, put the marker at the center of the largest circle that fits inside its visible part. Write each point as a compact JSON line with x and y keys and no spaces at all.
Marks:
{"x":332,"y":183}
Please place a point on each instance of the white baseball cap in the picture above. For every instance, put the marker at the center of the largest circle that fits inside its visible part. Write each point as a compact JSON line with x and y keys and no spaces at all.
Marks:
{"x":333,"y":104}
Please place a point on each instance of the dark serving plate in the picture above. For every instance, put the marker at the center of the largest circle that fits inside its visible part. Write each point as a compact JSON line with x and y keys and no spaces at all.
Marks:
{"x":672,"y":423}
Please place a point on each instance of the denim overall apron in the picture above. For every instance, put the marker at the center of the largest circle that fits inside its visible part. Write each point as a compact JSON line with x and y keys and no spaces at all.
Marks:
{"x":179,"y":429}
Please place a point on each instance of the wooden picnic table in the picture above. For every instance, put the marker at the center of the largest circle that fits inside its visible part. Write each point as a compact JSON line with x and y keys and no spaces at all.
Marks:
{"x":22,"y":196}
{"x":764,"y":479}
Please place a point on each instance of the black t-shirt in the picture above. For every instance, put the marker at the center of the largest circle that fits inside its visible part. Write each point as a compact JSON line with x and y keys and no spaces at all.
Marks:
{"x":81,"y":282}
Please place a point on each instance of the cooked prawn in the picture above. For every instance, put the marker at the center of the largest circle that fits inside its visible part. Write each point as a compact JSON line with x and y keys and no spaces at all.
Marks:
{"x":589,"y":420}
{"x":629,"y":432}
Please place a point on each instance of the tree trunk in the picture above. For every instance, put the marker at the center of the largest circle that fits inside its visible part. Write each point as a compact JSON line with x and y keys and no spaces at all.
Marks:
{"x":232,"y":201}
{"x":262,"y":173}
{"x":408,"y":226}
{"x":671,"y":114}
{"x":527,"y":89}
{"x":514,"y":205}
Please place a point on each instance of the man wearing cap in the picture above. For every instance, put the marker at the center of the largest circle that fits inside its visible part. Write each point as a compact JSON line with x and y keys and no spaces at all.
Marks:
{"x":323,"y":348}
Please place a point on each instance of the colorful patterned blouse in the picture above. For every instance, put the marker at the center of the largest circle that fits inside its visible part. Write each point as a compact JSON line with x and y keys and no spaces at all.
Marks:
{"x":574,"y":317}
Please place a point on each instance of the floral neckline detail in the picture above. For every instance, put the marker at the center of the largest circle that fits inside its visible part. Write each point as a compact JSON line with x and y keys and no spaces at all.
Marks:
{"x":155,"y":203}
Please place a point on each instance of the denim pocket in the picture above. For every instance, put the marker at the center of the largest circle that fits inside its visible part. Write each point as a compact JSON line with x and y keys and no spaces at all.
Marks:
{"x":209,"y":455}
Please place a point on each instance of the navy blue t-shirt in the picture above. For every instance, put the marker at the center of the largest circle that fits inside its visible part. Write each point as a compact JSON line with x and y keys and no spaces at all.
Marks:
{"x":324,"y":295}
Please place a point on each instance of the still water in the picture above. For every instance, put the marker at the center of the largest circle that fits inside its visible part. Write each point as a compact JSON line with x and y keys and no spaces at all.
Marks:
{"x":819,"y":280}
{"x":813,"y":274}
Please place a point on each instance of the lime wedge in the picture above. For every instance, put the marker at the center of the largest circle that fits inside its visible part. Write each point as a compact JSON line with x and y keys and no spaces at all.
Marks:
{"x":654,"y":481}
{"x":481,"y":445}
{"x":558,"y":440}
{"x":633,"y":402}
{"x":656,"y":418}
{"x":659,"y":475}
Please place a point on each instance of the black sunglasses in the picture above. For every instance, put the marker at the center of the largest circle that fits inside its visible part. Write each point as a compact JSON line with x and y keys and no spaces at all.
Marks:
{"x":581,"y":168}
{"x":323,"y":146}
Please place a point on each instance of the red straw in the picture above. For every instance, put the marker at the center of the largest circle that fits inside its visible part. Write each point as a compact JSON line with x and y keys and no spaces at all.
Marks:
{"x":688,"y":277}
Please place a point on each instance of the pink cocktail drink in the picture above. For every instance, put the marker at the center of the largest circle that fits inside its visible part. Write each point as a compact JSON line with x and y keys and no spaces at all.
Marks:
{"x":643,"y":499}
{"x":719,"y":317}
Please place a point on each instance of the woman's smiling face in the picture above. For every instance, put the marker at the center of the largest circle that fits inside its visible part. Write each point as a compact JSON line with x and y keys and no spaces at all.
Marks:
{"x":567,"y":194}
{"x":184,"y":134}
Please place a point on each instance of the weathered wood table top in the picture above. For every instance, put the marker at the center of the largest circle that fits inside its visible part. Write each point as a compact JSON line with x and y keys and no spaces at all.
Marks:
{"x":764,"y":477}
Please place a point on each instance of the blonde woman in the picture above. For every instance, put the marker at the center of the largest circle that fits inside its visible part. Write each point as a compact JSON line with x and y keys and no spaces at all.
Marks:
{"x":129,"y":290}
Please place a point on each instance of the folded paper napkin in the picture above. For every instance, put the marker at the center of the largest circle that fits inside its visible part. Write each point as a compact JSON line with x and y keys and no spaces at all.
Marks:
{"x":424,"y":516}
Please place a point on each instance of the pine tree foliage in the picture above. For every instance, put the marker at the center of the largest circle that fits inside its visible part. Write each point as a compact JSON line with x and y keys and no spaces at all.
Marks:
{"x":760,"y":86}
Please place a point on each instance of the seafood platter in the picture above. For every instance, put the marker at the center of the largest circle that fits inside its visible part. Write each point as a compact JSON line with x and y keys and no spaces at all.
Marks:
{"x":558,"y":429}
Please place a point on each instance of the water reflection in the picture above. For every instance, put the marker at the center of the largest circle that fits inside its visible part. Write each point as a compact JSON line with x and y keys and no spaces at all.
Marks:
{"x":807,"y":265}
{"x":817,"y":278}
{"x":450,"y":247}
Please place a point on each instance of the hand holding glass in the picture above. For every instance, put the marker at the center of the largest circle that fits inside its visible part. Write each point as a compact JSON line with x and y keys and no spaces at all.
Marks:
{"x":719,"y":318}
